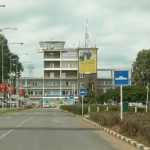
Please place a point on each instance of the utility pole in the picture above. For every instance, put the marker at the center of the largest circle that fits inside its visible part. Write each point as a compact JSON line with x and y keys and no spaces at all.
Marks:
{"x":147,"y":97}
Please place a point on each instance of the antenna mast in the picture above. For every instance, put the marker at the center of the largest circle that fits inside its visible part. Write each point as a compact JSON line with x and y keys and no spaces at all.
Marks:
{"x":86,"y":35}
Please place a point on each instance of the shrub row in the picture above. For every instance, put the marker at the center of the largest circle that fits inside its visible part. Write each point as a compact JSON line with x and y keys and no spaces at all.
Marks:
{"x":133,"y":125}
{"x":93,"y":108}
{"x":106,"y":118}
{"x":76,"y":109}
{"x":9,"y":110}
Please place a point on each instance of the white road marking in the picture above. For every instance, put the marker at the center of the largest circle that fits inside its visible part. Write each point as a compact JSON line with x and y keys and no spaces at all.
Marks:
{"x":19,"y":125}
{"x":8,"y":117}
{"x":9,"y":131}
{"x":23,"y":122}
{"x":57,"y":121}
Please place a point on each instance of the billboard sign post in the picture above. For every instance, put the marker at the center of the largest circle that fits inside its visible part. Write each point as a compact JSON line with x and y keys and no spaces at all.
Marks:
{"x":121,"y":77}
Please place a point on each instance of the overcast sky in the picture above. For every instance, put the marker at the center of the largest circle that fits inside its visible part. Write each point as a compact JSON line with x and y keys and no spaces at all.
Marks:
{"x":119,"y":28}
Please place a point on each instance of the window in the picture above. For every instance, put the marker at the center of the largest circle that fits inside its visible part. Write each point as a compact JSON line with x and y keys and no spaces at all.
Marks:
{"x":82,"y":75}
{"x":63,"y":92}
{"x":67,"y":83}
{"x":51,"y":74}
{"x":51,"y":65}
{"x":63,"y":75}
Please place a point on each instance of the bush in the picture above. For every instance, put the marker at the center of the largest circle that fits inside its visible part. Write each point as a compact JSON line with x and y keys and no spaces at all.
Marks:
{"x":106,"y":118}
{"x":145,"y":133}
{"x":139,"y":109}
{"x":28,"y":107}
{"x":133,"y":125}
{"x":76,"y":109}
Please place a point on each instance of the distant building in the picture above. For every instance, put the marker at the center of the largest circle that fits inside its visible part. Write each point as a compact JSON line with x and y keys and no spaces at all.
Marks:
{"x":65,"y":71}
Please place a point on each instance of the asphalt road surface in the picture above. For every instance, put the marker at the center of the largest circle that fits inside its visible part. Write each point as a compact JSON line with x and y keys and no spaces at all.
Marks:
{"x":53,"y":129}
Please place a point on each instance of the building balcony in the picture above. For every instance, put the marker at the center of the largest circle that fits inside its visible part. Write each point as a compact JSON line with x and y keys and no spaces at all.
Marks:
{"x":52,"y":59}
{"x":69,"y":68}
{"x":70,"y":59}
{"x":62,"y":68}
{"x":57,"y":77}
{"x":70,"y":77}
{"x":48,"y":69}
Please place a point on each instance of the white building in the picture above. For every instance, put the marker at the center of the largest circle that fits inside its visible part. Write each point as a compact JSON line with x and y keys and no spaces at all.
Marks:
{"x":62,"y":74}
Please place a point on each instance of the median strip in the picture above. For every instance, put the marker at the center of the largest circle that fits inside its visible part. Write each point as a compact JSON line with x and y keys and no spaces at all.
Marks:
{"x":119,"y":136}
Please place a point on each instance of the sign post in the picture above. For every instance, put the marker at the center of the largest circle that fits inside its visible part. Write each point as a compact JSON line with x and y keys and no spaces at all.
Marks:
{"x":147,"y":96}
{"x":121,"y":77}
{"x":121,"y":103}
{"x":83,"y":92}
{"x":82,"y":106}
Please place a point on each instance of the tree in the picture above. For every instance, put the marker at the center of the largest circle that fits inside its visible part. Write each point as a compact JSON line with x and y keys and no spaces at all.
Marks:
{"x":111,"y":94}
{"x":17,"y":67}
{"x":130,"y":94}
{"x":91,"y":95}
{"x":141,"y":68}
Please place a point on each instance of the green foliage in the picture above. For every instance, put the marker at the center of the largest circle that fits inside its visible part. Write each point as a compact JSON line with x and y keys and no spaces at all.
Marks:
{"x":28,"y":107}
{"x":130,"y":94}
{"x":113,"y":94}
{"x":139,"y":109}
{"x":141,"y":69}
{"x":134,"y":93}
{"x":91,"y":95}
{"x":16,"y":66}
{"x":76,"y":109}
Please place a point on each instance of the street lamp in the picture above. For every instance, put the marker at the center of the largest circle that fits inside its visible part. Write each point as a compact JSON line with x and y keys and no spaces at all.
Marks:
{"x":7,"y":29}
{"x":3,"y":58}
{"x":11,"y":59}
{"x":147,"y":96}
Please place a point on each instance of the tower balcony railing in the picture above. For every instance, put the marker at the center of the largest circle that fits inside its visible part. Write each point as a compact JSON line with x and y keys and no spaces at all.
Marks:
{"x":64,"y":77}
{"x":64,"y":68}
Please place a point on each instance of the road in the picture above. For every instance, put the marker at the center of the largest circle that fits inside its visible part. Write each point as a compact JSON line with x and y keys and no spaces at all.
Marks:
{"x":52,"y":129}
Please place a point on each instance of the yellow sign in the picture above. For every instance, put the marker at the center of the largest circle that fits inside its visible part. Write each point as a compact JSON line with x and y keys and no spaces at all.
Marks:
{"x":87,"y":61}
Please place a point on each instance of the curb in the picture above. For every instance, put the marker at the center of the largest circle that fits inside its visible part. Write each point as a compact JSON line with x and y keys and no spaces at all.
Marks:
{"x":137,"y":145}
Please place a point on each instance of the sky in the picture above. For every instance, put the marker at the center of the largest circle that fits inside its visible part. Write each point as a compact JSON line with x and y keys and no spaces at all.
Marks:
{"x":118,"y":28}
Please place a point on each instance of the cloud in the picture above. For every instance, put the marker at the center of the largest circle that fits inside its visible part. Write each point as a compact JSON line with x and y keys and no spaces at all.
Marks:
{"x":118,"y":28}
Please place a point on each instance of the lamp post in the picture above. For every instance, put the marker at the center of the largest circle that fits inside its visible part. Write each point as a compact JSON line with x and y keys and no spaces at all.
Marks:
{"x":3,"y":57}
{"x":11,"y":59}
{"x":7,"y":29}
{"x":147,"y":96}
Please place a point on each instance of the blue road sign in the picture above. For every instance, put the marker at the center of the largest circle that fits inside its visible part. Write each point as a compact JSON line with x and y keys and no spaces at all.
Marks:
{"x":121,"y":77}
{"x":71,"y":96}
{"x":83,"y":91}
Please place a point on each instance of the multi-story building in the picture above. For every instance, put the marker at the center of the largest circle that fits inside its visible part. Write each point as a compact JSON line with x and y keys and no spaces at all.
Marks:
{"x":65,"y":71}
